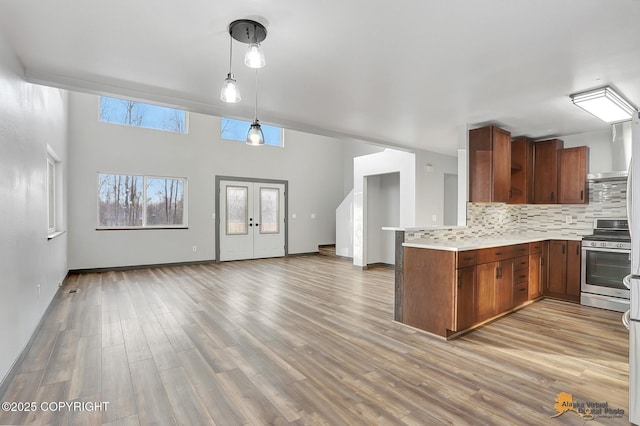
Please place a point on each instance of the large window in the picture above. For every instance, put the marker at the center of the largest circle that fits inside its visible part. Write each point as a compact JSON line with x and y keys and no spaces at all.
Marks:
{"x":139,"y":114}
{"x":236,"y":130}
{"x":131,"y":201}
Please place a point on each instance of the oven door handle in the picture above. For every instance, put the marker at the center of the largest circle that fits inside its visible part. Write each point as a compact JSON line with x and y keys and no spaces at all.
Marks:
{"x":609,"y":250}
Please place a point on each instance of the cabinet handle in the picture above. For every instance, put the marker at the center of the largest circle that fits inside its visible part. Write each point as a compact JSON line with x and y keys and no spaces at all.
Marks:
{"x":467,"y":258}
{"x":511,"y":193}
{"x":582,"y":194}
{"x":563,"y":249}
{"x":459,"y":282}
{"x":498,"y":253}
{"x":578,"y":250}
{"x":498,"y":272}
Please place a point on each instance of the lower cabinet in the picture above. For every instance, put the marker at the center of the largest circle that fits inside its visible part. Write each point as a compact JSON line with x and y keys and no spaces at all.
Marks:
{"x":465,"y":315}
{"x":564,"y":270}
{"x":447,"y":292}
{"x":537,"y":268}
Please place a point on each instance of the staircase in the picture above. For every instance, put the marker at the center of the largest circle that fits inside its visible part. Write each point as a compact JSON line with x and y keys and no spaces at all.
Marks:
{"x":327,"y":250}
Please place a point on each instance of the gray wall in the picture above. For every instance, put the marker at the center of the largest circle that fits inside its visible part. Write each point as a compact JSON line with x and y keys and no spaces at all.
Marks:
{"x":31,"y":117}
{"x":383,"y":209}
{"x":430,"y":186}
{"x":307,"y":161}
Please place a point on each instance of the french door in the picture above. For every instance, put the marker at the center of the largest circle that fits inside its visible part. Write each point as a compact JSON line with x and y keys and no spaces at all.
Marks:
{"x":252,"y":219}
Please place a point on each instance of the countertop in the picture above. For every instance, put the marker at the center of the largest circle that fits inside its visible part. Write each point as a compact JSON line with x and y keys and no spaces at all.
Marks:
{"x":487,"y":242}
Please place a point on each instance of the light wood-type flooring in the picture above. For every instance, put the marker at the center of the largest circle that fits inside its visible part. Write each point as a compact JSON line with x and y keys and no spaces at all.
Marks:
{"x":303,"y":340}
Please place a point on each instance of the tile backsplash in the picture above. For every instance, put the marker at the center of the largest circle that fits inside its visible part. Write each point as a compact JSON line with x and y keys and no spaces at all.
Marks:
{"x":606,"y":199}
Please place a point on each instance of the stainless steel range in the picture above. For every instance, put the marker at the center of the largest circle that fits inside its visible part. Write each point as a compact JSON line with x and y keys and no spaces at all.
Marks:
{"x":606,"y":260}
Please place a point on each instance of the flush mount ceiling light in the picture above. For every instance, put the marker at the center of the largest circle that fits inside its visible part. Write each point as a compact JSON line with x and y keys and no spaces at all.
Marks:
{"x":605,"y":104}
{"x":252,"y":33}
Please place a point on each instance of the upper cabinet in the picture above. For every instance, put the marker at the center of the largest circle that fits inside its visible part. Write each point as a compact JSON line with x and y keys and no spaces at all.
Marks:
{"x":489,"y":164}
{"x":572,"y":175}
{"x":521,"y":171}
{"x":545,"y":171}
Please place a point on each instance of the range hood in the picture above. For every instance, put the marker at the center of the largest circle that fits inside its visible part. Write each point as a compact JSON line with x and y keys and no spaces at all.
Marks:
{"x":620,"y":154}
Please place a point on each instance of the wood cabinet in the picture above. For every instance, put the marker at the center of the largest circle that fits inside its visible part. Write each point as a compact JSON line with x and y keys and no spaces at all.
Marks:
{"x":545,"y":171}
{"x":447,"y":292}
{"x":572,"y":175}
{"x":521,"y":171}
{"x":489,"y":164}
{"x":564,"y":270}
{"x":465,"y":315}
{"x":537,"y":268}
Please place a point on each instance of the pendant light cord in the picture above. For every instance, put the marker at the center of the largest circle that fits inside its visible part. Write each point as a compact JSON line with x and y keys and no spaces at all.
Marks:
{"x":256,"y":110}
{"x":230,"y":50}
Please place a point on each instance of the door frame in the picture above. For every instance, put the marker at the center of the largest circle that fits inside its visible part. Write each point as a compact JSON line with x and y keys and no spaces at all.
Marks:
{"x":219,"y":178}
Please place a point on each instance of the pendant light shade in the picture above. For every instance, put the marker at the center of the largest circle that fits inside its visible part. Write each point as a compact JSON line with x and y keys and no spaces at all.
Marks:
{"x":230,"y":92}
{"x":254,"y":58}
{"x":255,"y":135}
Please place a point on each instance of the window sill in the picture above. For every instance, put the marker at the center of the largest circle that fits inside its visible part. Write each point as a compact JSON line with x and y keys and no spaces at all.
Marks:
{"x":55,"y":234}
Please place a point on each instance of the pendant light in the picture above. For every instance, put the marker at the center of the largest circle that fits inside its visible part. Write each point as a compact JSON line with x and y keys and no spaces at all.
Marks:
{"x":252,"y":33}
{"x":230,"y":92}
{"x":255,"y":136}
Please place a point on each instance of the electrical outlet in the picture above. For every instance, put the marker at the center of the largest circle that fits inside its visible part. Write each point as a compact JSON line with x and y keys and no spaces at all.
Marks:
{"x":194,"y":248}
{"x":568,"y":219}
{"x":313,"y":215}
{"x":294,"y":216}
{"x":434,"y":217}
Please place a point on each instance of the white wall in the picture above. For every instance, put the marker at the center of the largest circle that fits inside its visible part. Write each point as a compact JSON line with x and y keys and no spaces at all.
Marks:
{"x":307,"y":162}
{"x":383,"y":209}
{"x":430,"y":170}
{"x":389,"y":161}
{"x":31,"y":117}
{"x":600,"y":145}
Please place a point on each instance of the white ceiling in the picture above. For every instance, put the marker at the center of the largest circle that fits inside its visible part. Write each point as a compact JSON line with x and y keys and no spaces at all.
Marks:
{"x":409,"y":73}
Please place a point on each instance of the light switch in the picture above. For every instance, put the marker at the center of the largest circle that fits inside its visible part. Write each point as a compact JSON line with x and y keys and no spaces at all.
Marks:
{"x":294,"y":216}
{"x":313,"y":215}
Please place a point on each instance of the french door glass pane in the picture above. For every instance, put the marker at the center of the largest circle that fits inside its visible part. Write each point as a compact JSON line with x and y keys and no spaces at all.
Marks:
{"x":269,"y":210}
{"x":237,"y":204}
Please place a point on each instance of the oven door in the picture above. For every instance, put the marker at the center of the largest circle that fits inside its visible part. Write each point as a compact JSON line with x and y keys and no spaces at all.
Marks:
{"x":603,"y":270}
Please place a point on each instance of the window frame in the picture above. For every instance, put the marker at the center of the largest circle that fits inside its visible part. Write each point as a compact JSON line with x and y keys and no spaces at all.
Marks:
{"x":141,"y":126}
{"x":185,"y":204}
{"x":248,"y":123}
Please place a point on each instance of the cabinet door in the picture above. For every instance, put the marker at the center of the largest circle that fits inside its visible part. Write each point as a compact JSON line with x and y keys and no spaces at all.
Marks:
{"x":545,"y":171}
{"x":557,"y":284}
{"x":485,"y":295}
{"x":501,"y":165}
{"x":535,"y":276}
{"x":574,"y":257}
{"x":489,"y":165}
{"x":504,"y":286}
{"x":466,"y":298}
{"x":572,"y":175}
{"x":521,"y":171}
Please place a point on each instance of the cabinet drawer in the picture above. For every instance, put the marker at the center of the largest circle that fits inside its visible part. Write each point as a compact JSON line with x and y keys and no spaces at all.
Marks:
{"x":520,"y":294}
{"x":467,"y":258}
{"x":494,"y":254}
{"x":521,"y":263}
{"x":521,"y":276}
{"x":535,"y":248}
{"x":521,"y":250}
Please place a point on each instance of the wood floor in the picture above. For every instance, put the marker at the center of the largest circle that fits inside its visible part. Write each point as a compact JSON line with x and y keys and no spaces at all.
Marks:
{"x":303,"y":340}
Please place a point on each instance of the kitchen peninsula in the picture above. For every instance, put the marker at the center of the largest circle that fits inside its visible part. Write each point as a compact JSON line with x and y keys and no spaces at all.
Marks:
{"x":449,"y":287}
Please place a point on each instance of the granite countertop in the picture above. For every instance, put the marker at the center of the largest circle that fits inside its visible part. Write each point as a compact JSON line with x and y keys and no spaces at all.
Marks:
{"x":488,"y":242}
